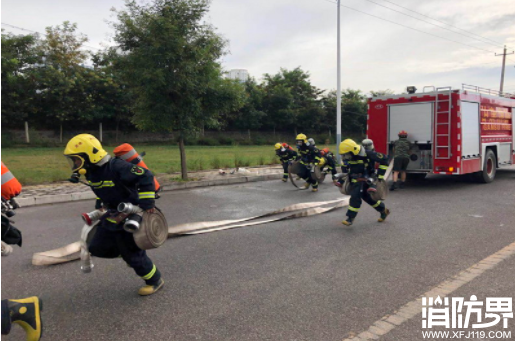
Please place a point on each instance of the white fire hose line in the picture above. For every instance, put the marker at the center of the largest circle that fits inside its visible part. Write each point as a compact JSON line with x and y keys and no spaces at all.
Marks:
{"x":72,"y":251}
{"x":414,"y":308}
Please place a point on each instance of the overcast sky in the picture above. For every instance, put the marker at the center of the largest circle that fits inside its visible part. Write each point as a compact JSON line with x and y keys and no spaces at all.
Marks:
{"x":377,"y":54}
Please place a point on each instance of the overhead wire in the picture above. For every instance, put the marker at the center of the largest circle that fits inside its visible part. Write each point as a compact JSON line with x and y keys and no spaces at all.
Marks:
{"x":443,"y":22}
{"x":27,"y":30}
{"x":445,"y":28}
{"x":411,"y":28}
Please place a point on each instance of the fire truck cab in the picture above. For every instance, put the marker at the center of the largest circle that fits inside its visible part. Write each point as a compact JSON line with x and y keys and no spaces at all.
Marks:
{"x":452,"y":131}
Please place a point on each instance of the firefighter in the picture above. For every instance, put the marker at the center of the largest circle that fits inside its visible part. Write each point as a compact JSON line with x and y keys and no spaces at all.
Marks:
{"x":287,"y":155}
{"x":401,"y":153}
{"x":25,"y":312}
{"x":116,"y":181}
{"x":358,"y":161}
{"x":330,"y":162}
{"x":369,"y":145}
{"x":309,"y":157}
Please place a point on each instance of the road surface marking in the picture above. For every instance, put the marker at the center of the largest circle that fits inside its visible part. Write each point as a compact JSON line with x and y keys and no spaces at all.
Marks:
{"x":414,"y":308}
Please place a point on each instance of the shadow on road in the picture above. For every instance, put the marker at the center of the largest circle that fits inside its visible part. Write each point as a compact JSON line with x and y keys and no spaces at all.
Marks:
{"x":438,"y":182}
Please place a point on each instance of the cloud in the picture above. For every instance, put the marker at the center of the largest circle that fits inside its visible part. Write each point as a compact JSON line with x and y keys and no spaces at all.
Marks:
{"x":267,"y":35}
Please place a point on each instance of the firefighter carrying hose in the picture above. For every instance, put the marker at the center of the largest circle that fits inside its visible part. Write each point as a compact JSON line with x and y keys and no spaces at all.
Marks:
{"x":309,"y":157}
{"x":330,"y":162}
{"x":358,"y":161}
{"x":25,"y":312}
{"x":287,"y":155}
{"x":115,"y":181}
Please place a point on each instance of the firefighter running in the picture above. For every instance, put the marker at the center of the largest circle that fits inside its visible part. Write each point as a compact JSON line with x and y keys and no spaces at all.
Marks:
{"x":358,"y":168}
{"x":330,"y":162}
{"x":287,"y":155}
{"x":310,"y":158}
{"x":25,"y":312}
{"x":116,"y":181}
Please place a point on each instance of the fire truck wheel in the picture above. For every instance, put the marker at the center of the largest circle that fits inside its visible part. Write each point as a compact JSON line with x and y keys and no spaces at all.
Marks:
{"x":489,"y":168}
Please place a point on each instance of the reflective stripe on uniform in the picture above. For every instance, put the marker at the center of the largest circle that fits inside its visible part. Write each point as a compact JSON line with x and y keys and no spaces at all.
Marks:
{"x":380,"y":176}
{"x":7,"y":176}
{"x":147,"y":195}
{"x":377,"y":204}
{"x":354,"y":180}
{"x":150,"y":274}
{"x":128,"y":155}
{"x":353,"y":209}
{"x":111,"y":220}
{"x":101,"y":184}
{"x":356,"y":162}
{"x":383,"y":167}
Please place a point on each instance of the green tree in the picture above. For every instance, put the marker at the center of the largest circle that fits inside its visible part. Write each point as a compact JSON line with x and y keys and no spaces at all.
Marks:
{"x":354,"y":111}
{"x":111,"y":94}
{"x":292,"y":100}
{"x":62,"y":80}
{"x":251,"y":115}
{"x":379,"y":93}
{"x":171,"y":61}
{"x":20,"y":59}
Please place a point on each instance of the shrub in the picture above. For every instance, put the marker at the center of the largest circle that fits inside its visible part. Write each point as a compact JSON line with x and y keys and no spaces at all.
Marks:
{"x":259,"y":141}
{"x":206,"y":141}
{"x":225,"y":140}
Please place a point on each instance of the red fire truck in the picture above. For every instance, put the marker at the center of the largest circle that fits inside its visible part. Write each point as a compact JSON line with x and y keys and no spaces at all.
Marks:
{"x":452,"y":131}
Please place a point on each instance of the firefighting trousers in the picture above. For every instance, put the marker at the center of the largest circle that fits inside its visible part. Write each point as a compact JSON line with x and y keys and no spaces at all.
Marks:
{"x":285,"y":169}
{"x":112,"y":244}
{"x":6,"y":318}
{"x":331,"y":166}
{"x":358,"y":193}
{"x":306,"y":175}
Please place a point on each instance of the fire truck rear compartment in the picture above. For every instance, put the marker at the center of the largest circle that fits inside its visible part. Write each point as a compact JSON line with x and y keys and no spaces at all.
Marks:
{"x":417,"y":120}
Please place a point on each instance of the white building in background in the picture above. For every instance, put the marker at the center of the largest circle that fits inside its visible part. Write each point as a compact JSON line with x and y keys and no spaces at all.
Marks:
{"x":240,"y":74}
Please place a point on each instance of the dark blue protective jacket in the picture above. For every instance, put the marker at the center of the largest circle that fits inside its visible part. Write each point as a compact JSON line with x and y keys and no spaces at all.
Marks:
{"x":119,"y":181}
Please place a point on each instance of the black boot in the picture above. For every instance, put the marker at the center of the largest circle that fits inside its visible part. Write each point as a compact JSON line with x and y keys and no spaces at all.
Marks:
{"x":393,"y":187}
{"x":401,"y":185}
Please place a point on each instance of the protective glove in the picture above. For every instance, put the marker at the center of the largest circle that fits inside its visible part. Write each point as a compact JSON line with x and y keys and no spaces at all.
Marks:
{"x":6,"y":249}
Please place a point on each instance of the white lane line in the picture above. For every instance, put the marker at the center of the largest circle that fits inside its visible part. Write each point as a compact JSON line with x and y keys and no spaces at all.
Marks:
{"x":414,"y":308}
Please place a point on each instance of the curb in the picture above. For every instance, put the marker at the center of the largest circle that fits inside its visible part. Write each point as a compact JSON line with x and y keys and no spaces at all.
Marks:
{"x":60,"y":198}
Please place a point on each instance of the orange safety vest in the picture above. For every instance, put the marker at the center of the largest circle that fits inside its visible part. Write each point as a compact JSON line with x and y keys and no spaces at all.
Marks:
{"x":128,"y":153}
{"x":11,"y":187}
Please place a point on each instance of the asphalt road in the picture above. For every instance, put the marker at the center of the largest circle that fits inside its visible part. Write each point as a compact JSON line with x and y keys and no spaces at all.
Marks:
{"x":302,"y":279}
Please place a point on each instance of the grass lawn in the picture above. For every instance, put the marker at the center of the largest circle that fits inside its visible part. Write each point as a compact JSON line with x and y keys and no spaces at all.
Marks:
{"x":42,"y":165}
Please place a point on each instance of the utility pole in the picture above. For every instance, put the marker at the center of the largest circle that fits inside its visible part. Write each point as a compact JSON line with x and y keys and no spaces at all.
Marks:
{"x":503,"y":65}
{"x":338,"y":91}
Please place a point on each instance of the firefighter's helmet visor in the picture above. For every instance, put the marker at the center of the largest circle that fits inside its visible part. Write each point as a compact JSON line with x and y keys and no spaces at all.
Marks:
{"x":76,"y":162}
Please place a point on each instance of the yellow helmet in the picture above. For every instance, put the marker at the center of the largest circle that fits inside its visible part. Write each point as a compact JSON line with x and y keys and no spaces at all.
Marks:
{"x":302,"y":137}
{"x":349,"y":146}
{"x":82,"y":148}
{"x":278,"y":146}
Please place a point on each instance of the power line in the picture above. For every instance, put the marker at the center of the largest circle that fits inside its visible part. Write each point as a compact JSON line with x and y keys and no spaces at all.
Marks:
{"x":26,"y":30}
{"x":445,"y":28}
{"x":443,"y":22}
{"x":411,"y":28}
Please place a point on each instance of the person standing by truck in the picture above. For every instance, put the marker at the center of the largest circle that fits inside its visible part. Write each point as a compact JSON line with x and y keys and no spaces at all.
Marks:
{"x":401,"y":154}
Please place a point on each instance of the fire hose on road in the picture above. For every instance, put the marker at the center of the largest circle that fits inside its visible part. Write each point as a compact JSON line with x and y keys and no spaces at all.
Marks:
{"x":73,"y":251}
